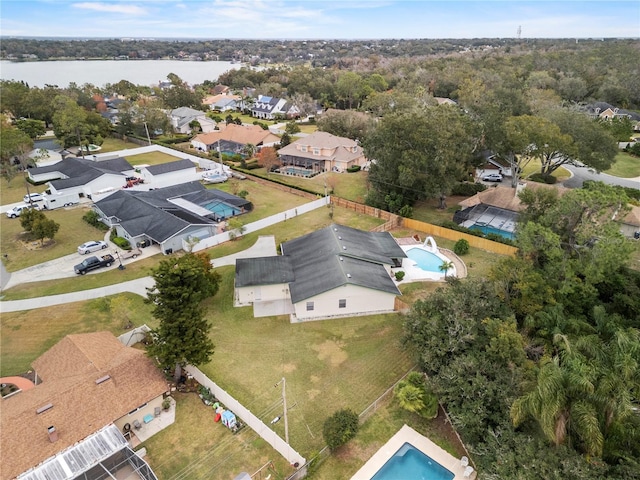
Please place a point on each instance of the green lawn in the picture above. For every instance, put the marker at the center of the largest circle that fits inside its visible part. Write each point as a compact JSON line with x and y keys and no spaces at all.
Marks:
{"x":13,"y":191}
{"x":73,"y":231}
{"x":626,"y":166}
{"x":152,"y":158}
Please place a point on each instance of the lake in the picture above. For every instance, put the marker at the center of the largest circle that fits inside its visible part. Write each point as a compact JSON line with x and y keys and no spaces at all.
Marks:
{"x":102,"y":72}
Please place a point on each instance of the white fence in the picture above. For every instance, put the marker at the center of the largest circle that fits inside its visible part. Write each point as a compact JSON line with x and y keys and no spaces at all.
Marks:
{"x":253,"y":422}
{"x":260,"y":224}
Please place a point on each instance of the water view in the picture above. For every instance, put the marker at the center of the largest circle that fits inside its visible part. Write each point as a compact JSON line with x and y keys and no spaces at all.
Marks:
{"x":102,"y":72}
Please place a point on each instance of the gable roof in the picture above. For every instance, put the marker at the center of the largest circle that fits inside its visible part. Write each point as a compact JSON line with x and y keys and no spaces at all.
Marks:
{"x":80,"y":405}
{"x":153,"y":213}
{"x":506,"y":197}
{"x":184,"y":164}
{"x":332,"y":147}
{"x":263,"y":271}
{"x":241,"y":134}
{"x":80,"y":171}
{"x":338,"y":255}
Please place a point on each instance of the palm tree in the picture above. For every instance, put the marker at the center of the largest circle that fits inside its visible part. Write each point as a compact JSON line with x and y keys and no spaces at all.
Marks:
{"x":445,"y":266}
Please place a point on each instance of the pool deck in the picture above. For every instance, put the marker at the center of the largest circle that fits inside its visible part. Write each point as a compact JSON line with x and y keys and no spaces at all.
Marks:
{"x":413,"y":273}
{"x":422,"y":443}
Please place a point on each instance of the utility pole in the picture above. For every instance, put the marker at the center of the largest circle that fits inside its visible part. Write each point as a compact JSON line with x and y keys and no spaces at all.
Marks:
{"x":284,"y":403}
{"x":147,"y":130}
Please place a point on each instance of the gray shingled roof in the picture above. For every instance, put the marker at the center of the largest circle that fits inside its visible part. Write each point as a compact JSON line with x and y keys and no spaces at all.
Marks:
{"x":327,"y":259}
{"x":183,"y":164}
{"x":263,"y":271}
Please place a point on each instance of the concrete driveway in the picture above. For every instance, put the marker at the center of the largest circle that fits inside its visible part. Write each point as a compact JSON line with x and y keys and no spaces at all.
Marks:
{"x":580,"y":174}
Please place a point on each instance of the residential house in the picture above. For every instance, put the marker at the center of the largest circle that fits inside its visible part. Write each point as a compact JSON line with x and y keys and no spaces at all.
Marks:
{"x":270,"y":108}
{"x":322,"y":152}
{"x":497,"y":207}
{"x":170,"y":173}
{"x":492,"y":163}
{"x":170,"y":217}
{"x":630,"y":224}
{"x":83,"y":176}
{"x":182,"y":117}
{"x":233,"y":139}
{"x":606,"y":111}
{"x":90,"y":389}
{"x":333,"y":272}
{"x":223,"y":102}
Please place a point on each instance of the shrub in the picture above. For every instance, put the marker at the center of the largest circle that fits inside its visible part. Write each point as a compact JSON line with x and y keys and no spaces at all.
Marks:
{"x":539,"y":178}
{"x":461,"y":247}
{"x":399,"y":275}
{"x":467,"y":189}
{"x":340,"y":427}
{"x":122,"y":243}
{"x":93,"y":219}
{"x":354,"y":168}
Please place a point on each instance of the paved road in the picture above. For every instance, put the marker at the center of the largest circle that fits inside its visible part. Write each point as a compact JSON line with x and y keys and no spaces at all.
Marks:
{"x":265,"y":246}
{"x":580,"y":174}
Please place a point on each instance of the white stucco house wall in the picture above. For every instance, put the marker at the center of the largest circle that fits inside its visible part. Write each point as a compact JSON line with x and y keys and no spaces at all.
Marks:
{"x":334,"y":272}
{"x":167,"y":174}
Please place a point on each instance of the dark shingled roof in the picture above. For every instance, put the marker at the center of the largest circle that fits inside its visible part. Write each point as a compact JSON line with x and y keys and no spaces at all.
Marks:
{"x":263,"y":271}
{"x":80,"y":171}
{"x":183,"y":164}
{"x":326,"y":259}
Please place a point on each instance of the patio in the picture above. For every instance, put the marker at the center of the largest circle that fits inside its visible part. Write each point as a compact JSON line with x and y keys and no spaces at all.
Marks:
{"x":158,"y":423}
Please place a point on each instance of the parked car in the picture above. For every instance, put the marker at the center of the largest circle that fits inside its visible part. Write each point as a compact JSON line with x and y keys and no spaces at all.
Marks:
{"x":16,"y":211}
{"x":492,"y":177}
{"x":92,"y":246}
{"x":33,"y":197}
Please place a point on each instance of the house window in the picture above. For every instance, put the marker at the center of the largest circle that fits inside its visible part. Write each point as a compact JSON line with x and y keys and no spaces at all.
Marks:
{"x":309,"y":306}
{"x":342,"y":303}
{"x":303,"y":148}
{"x":316,"y":151}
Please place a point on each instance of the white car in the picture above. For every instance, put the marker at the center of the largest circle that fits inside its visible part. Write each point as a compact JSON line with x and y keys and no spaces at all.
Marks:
{"x":33,"y":197}
{"x":492,"y":177}
{"x":93,"y":246}
{"x":16,"y":211}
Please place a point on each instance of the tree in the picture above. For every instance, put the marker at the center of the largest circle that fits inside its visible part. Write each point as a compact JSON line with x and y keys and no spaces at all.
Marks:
{"x":414,"y":396}
{"x":445,"y":266}
{"x":418,"y":155}
{"x":292,"y":128}
{"x":28,"y":217}
{"x":346,"y":123}
{"x":285,"y":139}
{"x":14,"y":145}
{"x":268,"y":158}
{"x":44,"y":227}
{"x":306,"y":105}
{"x":349,"y":88}
{"x":33,"y":128}
{"x":340,"y":427}
{"x":182,"y":336}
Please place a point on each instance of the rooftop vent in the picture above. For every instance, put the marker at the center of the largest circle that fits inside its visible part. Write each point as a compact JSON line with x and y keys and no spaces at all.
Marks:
{"x":102,"y":379}
{"x":348,"y":275}
{"x":53,"y":434}
{"x":339,"y":237}
{"x":44,"y":408}
{"x":341,"y":259}
{"x":335,"y":229}
{"x":344,"y":248}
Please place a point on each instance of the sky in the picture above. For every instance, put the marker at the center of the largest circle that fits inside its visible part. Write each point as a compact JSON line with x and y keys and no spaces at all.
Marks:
{"x":327,"y":19}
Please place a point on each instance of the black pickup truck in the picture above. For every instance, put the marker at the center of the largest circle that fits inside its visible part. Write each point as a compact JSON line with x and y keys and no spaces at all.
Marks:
{"x":92,"y":263}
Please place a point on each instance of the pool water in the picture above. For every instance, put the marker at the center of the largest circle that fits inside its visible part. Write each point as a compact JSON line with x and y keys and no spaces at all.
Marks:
{"x":221,"y":209}
{"x":486,"y":229}
{"x":297,"y":171}
{"x":427,"y":261}
{"x":409,"y":463}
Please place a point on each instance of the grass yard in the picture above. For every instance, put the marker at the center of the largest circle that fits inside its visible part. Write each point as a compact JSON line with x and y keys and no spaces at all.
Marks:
{"x":352,"y":186}
{"x":73,"y":231}
{"x":13,"y":191}
{"x":534,"y":165}
{"x":115,"y":144}
{"x":152,"y":158}
{"x":328,"y":364}
{"x":197,"y":447}
{"x":626,"y":166}
{"x":26,"y":335}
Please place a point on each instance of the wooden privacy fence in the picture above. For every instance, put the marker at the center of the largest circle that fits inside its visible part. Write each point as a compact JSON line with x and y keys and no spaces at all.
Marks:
{"x":478,"y":242}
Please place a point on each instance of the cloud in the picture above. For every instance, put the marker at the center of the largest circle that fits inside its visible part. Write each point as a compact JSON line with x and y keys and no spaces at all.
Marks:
{"x":110,"y":8}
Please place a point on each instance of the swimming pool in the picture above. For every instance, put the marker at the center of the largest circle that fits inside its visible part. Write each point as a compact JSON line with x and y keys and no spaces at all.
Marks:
{"x":297,"y":171}
{"x":222,"y":210}
{"x":427,"y":261}
{"x":410,"y":463}
{"x":487,"y":229}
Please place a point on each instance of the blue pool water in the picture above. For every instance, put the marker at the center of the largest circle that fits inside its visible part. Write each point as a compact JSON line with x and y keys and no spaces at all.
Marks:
{"x":408,"y":463}
{"x":427,"y":261}
{"x":486,"y":229}
{"x":297,"y":171}
{"x":222,"y":209}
